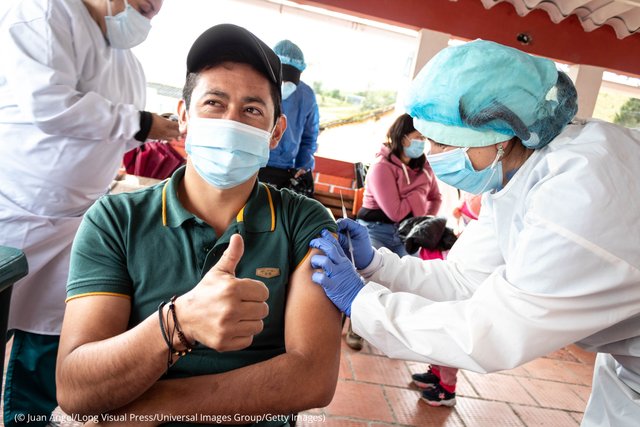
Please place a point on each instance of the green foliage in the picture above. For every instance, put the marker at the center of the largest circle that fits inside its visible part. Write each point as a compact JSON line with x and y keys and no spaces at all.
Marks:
{"x":377,"y":99}
{"x":336,"y":105}
{"x":608,"y":104}
{"x":335,"y":94}
{"x":629,"y":114}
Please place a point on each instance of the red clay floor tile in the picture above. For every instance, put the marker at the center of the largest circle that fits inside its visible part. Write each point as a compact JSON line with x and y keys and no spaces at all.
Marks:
{"x":534,"y":416}
{"x":582,"y":391}
{"x":550,"y":394}
{"x":483,"y":413}
{"x":360,"y":400}
{"x":464,"y":386}
{"x":519,"y":371}
{"x":331,"y":422}
{"x":500,"y":387}
{"x":584,"y":373}
{"x":380,"y":370}
{"x":552,"y":370}
{"x":563,"y":354}
{"x":577,"y":416}
{"x":586,"y":357}
{"x":345,"y":372}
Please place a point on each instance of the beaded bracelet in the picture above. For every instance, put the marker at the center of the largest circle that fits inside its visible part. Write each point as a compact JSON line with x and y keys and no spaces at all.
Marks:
{"x":168,"y":337}
{"x":176,"y":324}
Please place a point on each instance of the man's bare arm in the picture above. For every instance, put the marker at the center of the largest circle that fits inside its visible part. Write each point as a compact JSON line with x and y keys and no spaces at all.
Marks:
{"x":302,"y":378}
{"x":109,"y":356}
{"x":101,"y":366}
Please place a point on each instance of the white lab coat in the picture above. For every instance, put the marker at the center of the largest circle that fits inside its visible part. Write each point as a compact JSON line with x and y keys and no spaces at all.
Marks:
{"x":68,"y":111}
{"x":553,"y":259}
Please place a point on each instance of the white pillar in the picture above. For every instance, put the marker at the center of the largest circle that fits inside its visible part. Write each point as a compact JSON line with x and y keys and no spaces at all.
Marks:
{"x":429,"y":43}
{"x":588,"y":80}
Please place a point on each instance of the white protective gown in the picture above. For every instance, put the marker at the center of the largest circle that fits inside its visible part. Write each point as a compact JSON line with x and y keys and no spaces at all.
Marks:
{"x":553,"y":259}
{"x":68,"y":111}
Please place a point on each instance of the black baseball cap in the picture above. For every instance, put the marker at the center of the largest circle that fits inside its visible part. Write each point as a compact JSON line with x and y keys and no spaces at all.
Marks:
{"x":228,"y":42}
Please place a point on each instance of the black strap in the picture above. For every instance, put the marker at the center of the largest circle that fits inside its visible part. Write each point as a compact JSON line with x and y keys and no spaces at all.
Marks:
{"x":146,"y":119}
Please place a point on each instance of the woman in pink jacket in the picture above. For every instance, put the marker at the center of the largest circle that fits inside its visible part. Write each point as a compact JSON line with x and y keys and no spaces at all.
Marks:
{"x":399,"y":185}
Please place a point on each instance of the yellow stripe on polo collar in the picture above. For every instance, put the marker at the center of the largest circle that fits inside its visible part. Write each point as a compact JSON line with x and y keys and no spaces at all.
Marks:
{"x":164,"y":204}
{"x":240,"y":217}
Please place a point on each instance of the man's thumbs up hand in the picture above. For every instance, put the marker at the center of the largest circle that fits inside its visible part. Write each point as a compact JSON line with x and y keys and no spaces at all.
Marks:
{"x":224,"y":312}
{"x":231,"y":257}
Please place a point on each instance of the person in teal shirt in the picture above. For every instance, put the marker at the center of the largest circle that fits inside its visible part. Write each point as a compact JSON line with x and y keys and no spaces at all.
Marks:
{"x":194,"y":297}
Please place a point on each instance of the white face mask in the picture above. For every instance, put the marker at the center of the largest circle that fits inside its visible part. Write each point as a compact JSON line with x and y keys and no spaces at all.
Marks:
{"x":287,"y":89}
{"x":128,"y":28}
{"x":226,"y":153}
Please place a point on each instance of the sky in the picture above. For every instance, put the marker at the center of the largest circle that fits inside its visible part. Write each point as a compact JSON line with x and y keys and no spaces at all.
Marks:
{"x":342,"y":54}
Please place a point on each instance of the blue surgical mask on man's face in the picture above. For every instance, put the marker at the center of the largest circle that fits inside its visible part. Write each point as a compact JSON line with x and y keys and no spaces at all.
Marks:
{"x":454,"y":168}
{"x":128,"y":28}
{"x":287,"y":89}
{"x":226,"y":153}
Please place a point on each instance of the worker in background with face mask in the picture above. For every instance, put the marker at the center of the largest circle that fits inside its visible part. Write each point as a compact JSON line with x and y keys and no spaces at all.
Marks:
{"x":553,"y":258}
{"x":291,"y":163}
{"x":72,"y":99}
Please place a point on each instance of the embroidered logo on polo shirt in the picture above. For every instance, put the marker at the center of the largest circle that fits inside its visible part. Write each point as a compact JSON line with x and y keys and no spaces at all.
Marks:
{"x":267,"y":272}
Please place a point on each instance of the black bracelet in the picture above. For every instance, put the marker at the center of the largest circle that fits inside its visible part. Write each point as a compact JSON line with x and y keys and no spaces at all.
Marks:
{"x":168,"y":336}
{"x":176,"y":324}
{"x":164,"y":334}
{"x":162,"y":327}
{"x":145,"y":126}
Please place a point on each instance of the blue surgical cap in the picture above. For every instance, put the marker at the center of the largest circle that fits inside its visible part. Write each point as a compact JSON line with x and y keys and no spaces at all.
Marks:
{"x":482,"y":93}
{"x":290,"y":54}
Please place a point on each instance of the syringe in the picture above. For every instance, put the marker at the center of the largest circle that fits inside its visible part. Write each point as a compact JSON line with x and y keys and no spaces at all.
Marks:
{"x":344,"y":215}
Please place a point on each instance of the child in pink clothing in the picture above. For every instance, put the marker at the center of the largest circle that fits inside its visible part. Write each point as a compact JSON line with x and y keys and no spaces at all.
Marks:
{"x":468,"y":210}
{"x":438,"y":384}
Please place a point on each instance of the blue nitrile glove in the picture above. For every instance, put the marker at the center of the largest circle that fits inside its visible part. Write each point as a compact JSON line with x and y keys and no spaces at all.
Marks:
{"x":340,"y":280}
{"x":362,"y":248}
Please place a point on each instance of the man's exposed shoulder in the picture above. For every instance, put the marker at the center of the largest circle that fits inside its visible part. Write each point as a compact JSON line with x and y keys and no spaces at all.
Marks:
{"x":299,"y":207}
{"x":292,"y":198}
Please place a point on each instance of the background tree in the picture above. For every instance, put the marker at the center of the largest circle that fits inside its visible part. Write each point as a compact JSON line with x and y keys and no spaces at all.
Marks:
{"x":629,"y":114}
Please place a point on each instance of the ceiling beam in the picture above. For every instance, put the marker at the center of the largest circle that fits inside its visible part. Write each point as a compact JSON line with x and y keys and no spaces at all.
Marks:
{"x":630,"y":2}
{"x":468,"y":19}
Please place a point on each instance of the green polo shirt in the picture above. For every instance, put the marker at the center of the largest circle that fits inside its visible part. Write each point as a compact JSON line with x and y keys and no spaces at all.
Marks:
{"x":147,"y":247}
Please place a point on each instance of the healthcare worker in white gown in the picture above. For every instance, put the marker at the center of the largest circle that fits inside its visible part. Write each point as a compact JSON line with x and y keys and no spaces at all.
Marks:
{"x":72,"y":96}
{"x":553,"y":259}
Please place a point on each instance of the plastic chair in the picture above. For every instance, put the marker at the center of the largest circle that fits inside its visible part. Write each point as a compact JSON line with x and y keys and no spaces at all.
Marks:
{"x":13,"y":267}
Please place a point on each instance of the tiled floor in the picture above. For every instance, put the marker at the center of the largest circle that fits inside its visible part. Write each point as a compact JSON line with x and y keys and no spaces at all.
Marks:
{"x":374,"y":391}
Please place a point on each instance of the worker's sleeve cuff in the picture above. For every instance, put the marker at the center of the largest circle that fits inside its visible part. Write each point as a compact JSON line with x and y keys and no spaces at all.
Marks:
{"x":365,"y":304}
{"x":375,"y":265}
{"x":145,"y":126}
